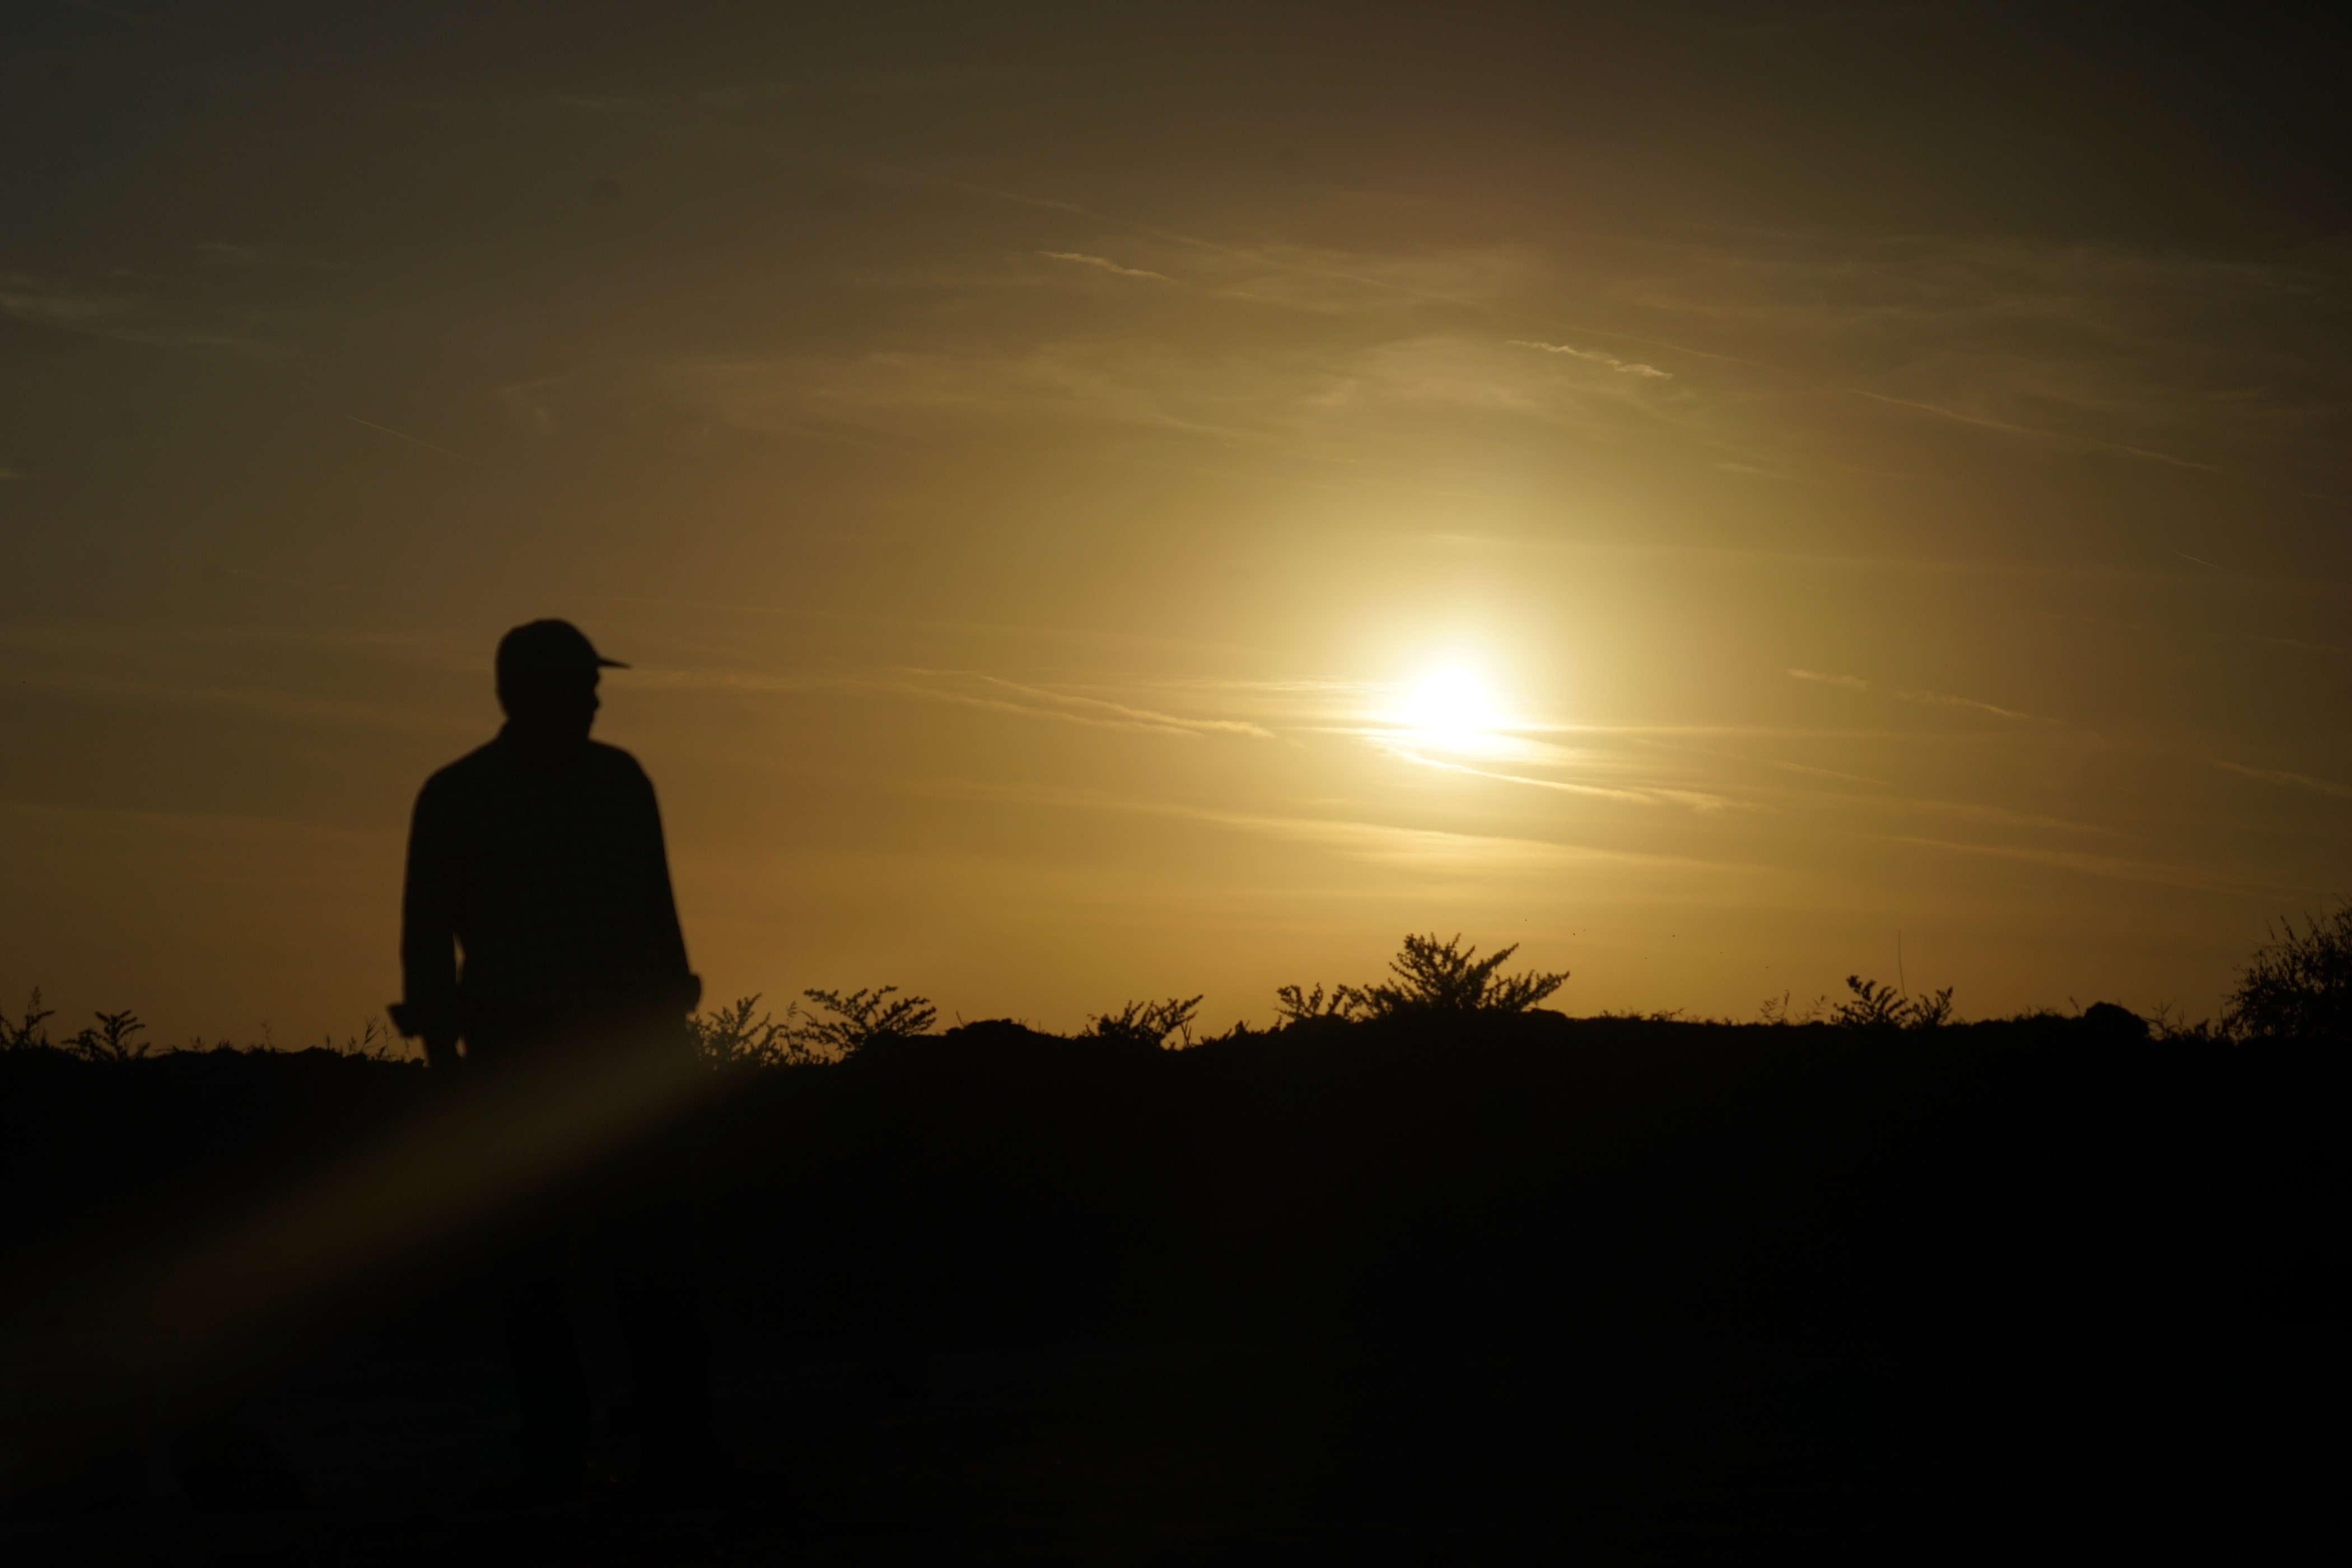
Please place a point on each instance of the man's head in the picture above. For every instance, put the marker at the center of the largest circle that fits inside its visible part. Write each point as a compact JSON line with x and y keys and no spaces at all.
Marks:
{"x":546,"y":678}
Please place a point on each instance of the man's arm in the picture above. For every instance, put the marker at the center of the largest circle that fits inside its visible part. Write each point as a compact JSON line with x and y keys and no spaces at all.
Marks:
{"x":668,"y":935}
{"x":428,"y":930}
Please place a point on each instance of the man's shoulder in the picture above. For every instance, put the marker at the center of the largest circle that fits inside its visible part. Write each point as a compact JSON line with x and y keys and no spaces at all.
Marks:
{"x":466,"y":772}
{"x":614,"y":762}
{"x":479,"y":773}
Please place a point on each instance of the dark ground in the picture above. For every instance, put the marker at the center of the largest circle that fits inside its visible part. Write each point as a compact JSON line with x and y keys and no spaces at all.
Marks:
{"x":1527,"y":1290}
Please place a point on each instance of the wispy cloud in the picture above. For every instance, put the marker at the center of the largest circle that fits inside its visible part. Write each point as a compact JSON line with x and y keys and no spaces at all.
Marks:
{"x":1805,"y":768}
{"x":2204,"y":365}
{"x":2113,"y":867}
{"x":1626,"y":367}
{"x":41,"y":304}
{"x":2006,"y":428}
{"x":2297,"y":644}
{"x":1411,"y":849}
{"x":1629,"y":776}
{"x":1063,"y":704}
{"x":1926,"y":698}
{"x":1105,"y":264}
{"x":1698,"y":800}
{"x":968,"y":688}
{"x":897,"y":395}
{"x":104,"y":313}
{"x":405,"y":435}
{"x":253,"y":700}
{"x":246,"y":826}
{"x":971,"y":689}
{"x":2292,"y":780}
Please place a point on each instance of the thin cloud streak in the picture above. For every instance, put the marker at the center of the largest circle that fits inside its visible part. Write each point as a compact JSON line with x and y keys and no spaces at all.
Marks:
{"x":1107,"y":264}
{"x":1026,"y":710}
{"x":2113,"y":868}
{"x":1401,"y":745}
{"x":1926,"y":698}
{"x":403,"y":435}
{"x":2292,"y":780}
{"x":285,"y":707}
{"x":1428,"y":848}
{"x":1144,"y":715}
{"x":2087,"y":442}
{"x":1612,"y":361}
{"x":122,"y":318}
{"x":1044,"y":703}
{"x":244,"y":825}
{"x":1261,"y":258}
{"x":1637,"y":797}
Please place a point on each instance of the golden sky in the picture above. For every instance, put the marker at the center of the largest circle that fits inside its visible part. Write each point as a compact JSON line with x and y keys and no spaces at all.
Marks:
{"x":1102,"y":508}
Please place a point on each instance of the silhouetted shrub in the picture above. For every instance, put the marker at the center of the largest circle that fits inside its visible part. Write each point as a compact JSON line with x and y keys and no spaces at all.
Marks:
{"x":1876,"y":1007}
{"x":1146,"y":1023}
{"x":1298,"y":1005}
{"x":1432,"y":977}
{"x":111,"y":1041}
{"x":859,"y":1019}
{"x":732,"y":1036}
{"x":2168,"y":1023}
{"x":2299,"y":987}
{"x":28,"y":1034}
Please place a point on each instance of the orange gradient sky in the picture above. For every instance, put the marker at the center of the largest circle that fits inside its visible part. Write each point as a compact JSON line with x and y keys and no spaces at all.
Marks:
{"x":1106,"y":508}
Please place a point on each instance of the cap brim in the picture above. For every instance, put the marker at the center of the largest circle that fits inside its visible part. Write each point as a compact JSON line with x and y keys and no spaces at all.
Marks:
{"x":604,"y":663}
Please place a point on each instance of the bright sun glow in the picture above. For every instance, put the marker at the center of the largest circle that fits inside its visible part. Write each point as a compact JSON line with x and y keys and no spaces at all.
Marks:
{"x":1451,"y":704}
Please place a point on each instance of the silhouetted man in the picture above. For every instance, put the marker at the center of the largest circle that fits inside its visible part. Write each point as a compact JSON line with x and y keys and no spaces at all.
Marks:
{"x":539,"y":930}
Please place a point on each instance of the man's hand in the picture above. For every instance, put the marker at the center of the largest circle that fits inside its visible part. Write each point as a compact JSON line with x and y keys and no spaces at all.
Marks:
{"x":441,"y":1051}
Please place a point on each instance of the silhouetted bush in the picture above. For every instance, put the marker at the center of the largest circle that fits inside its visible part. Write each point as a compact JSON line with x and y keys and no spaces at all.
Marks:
{"x":1432,"y":977}
{"x":2298,"y":986}
{"x":1876,"y":1007}
{"x":111,"y":1041}
{"x":2168,"y":1023}
{"x":732,"y":1036}
{"x":28,"y":1034}
{"x":1296,"y":1005}
{"x":1146,"y":1023}
{"x":114,"y":1038}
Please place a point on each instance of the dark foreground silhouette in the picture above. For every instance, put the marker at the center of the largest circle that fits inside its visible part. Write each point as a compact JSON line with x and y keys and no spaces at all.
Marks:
{"x":1486,"y":1288}
{"x":538,"y":935}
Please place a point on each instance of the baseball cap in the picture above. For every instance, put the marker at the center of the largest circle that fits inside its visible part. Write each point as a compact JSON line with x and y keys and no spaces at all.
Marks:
{"x":548,"y":647}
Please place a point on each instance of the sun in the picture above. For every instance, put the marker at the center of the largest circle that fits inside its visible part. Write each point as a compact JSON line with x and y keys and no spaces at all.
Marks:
{"x":1451,"y":704}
